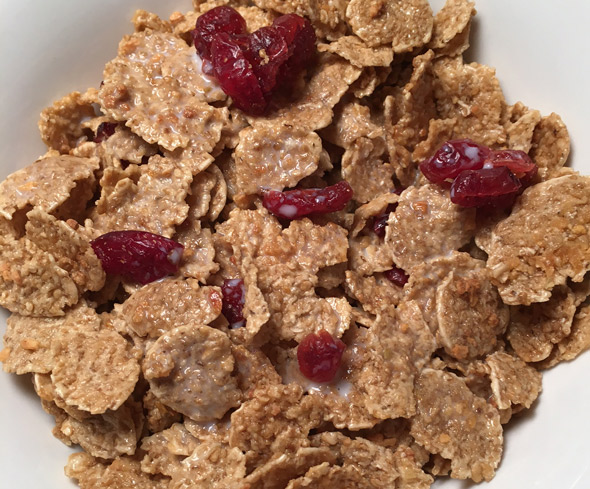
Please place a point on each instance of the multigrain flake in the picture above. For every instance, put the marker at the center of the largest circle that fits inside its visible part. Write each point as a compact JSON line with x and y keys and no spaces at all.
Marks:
{"x":140,"y":90}
{"x":93,"y":370}
{"x":32,"y":283}
{"x":61,"y":125}
{"x":404,"y":24}
{"x":543,"y":242}
{"x":358,"y":53}
{"x":535,"y":329}
{"x":28,"y":339}
{"x":161,"y":306}
{"x":455,"y":423}
{"x":272,"y":157}
{"x":427,"y":225}
{"x":33,"y":186}
{"x":450,"y":22}
{"x":154,"y":203}
{"x":160,"y":389}
{"x":513,"y":381}
{"x":189,"y":369}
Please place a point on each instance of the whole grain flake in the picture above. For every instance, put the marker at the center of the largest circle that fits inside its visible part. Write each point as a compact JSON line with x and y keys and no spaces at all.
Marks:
{"x":447,"y":314}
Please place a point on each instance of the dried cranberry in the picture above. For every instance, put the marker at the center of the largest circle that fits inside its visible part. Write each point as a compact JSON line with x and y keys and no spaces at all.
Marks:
{"x":294,"y":204}
{"x":380,"y":220}
{"x":235,"y":73}
{"x":104,"y":131}
{"x":268,"y":52}
{"x":494,"y":187}
{"x":213,"y":22}
{"x":517,"y":161}
{"x":300,"y":37}
{"x":319,"y":356}
{"x":452,"y":158}
{"x":138,"y":255}
{"x":397,"y":276}
{"x":234,"y":298}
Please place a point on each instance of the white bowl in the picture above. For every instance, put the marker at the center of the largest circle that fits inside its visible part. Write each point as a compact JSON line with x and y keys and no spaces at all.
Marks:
{"x":540,"y":50}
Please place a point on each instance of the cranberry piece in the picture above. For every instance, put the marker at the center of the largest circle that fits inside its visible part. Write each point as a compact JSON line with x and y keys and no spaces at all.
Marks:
{"x":104,"y":131}
{"x":138,"y":255}
{"x":234,"y":298}
{"x":217,"y":20}
{"x":235,"y":73}
{"x":268,"y":52}
{"x":493,"y":187}
{"x":517,"y":161}
{"x":301,"y":39}
{"x":452,"y":158}
{"x":397,"y":276}
{"x":294,"y":204}
{"x":319,"y":356}
{"x":380,"y":220}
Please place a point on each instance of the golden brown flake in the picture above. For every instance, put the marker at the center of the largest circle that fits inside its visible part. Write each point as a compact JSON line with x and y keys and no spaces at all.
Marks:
{"x":543,"y":242}
{"x":406,"y":24}
{"x":275,"y":156}
{"x":427,"y":225}
{"x":189,"y":369}
{"x":461,"y":427}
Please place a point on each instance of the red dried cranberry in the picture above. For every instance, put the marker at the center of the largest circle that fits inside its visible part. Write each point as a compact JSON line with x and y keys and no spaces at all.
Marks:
{"x":452,"y":158}
{"x":319,"y":356}
{"x":380,"y":220}
{"x":517,"y":161}
{"x":235,"y":73}
{"x":397,"y":276}
{"x":493,"y":187}
{"x":217,"y":20}
{"x":104,"y":131}
{"x":268,"y":52}
{"x":138,"y":255}
{"x":300,"y":37}
{"x":234,"y":298}
{"x":295,"y":204}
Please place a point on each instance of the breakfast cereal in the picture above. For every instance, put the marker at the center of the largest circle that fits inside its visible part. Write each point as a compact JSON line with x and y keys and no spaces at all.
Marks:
{"x":349,"y":308}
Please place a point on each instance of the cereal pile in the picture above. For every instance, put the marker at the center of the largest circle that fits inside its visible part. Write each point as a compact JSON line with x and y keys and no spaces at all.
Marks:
{"x":442,"y":316}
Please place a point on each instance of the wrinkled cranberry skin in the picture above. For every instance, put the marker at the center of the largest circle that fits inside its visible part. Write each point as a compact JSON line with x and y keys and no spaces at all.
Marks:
{"x":104,"y":131}
{"x":266,"y":66}
{"x":488,"y":187}
{"x":215,"y":21}
{"x":234,"y":298}
{"x":518,"y":162}
{"x":301,"y":39}
{"x":452,"y":158}
{"x":319,"y":356}
{"x":137,"y":255}
{"x":295,"y":204}
{"x":235,"y":73}
{"x":397,"y":276}
{"x":251,"y":67}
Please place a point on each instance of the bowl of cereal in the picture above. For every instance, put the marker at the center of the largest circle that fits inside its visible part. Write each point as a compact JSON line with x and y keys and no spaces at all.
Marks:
{"x":277,"y":252}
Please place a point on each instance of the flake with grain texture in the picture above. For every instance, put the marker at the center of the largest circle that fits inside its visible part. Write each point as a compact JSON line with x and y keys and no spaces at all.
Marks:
{"x":61,"y":124}
{"x":275,"y":156}
{"x":427,"y":225}
{"x":161,"y":306}
{"x":513,"y":381}
{"x":28,"y":340}
{"x":543,"y":242}
{"x":461,"y":427}
{"x":34,"y":185}
{"x":535,"y":329}
{"x":189,"y":369}
{"x":471,"y":94}
{"x":405,"y":24}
